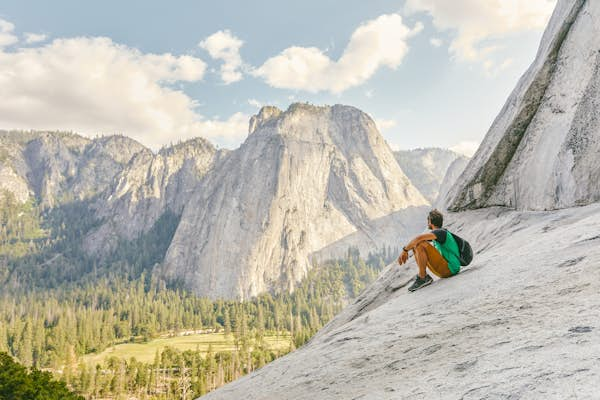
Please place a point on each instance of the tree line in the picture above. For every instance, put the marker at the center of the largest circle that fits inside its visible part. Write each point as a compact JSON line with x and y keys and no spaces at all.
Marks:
{"x":54,"y":328}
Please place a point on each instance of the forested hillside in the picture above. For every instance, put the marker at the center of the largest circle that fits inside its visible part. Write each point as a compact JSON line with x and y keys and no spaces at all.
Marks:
{"x":58,"y":305}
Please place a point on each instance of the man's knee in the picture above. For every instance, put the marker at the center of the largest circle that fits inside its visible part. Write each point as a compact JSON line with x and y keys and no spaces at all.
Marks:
{"x":420,"y":250}
{"x":421,"y":247}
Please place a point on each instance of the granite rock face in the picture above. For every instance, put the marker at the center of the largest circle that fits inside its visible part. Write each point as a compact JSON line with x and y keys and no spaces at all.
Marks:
{"x":56,"y":167}
{"x":307,"y":184}
{"x":13,"y":169}
{"x":542,"y":150}
{"x":450,"y":179}
{"x":304,"y":179}
{"x":102,"y":160}
{"x":150,"y":185}
{"x":426,"y":168}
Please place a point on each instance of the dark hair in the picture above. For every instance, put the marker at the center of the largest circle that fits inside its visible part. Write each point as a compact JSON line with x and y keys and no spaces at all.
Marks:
{"x":436,"y":218}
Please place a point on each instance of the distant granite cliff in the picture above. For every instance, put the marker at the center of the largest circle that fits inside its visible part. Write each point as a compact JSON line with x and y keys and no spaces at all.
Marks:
{"x":55,"y":167}
{"x":149,"y":186}
{"x":426,"y":168}
{"x":303,"y":179}
{"x":307,"y":184}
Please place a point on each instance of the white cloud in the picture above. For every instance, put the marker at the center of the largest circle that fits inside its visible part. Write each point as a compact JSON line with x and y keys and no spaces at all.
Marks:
{"x":34,"y":37}
{"x":255,"y":103}
{"x":228,"y":133}
{"x":376,"y":43}
{"x":222,"y":45}
{"x":93,"y":85}
{"x":435,"y":42}
{"x":385,"y":124}
{"x":467,"y":148}
{"x":476,"y":25}
{"x":6,"y":26}
{"x":6,"y":34}
{"x":369,"y":93}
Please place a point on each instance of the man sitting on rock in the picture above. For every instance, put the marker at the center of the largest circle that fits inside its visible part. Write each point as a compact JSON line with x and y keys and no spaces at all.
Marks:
{"x":441,"y":258}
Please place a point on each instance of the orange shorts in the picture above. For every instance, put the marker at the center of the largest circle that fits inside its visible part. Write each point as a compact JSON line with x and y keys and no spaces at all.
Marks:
{"x":436,"y":263}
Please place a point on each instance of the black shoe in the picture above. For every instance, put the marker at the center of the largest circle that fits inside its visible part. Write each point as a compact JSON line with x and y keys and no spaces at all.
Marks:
{"x":419,"y":283}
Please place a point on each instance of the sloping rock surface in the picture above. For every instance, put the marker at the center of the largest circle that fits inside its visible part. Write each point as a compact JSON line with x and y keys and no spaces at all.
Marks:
{"x":520,"y":322}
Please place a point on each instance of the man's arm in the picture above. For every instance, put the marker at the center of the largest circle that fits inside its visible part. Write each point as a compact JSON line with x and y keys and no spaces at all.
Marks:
{"x":418,"y":239}
{"x":412,"y":244}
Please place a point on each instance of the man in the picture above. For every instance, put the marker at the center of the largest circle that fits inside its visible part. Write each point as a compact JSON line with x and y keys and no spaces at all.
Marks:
{"x":441,"y":258}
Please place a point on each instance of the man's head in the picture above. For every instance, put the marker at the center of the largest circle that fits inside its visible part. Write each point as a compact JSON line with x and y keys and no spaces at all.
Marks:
{"x":435,"y":219}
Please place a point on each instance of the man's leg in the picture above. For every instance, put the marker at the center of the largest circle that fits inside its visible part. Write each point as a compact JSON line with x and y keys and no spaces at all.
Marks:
{"x":421,"y":259}
{"x":428,"y":256}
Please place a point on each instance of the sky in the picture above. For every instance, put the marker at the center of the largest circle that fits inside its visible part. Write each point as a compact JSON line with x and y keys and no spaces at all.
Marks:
{"x":431,"y":73}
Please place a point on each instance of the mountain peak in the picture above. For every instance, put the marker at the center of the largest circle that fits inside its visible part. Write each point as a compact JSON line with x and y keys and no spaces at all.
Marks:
{"x":324,"y":125}
{"x":269,"y":116}
{"x":266,"y":114}
{"x":304,"y":179}
{"x":187,"y":146}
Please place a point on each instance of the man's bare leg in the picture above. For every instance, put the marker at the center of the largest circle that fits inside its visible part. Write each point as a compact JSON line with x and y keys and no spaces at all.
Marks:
{"x":421,"y":258}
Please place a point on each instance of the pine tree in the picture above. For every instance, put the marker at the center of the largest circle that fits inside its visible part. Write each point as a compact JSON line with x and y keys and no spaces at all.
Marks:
{"x":227,"y":323}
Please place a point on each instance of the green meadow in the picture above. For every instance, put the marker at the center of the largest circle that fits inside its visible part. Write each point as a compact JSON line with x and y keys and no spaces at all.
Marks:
{"x":145,"y":352}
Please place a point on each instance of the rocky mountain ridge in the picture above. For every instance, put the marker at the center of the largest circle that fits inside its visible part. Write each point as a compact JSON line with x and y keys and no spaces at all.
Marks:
{"x":309,"y":183}
{"x":148,"y":187}
{"x":54,"y":167}
{"x":303,"y":179}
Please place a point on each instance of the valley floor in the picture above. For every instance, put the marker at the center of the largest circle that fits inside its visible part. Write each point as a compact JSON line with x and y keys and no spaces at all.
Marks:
{"x":203,"y":342}
{"x":522,"y":321}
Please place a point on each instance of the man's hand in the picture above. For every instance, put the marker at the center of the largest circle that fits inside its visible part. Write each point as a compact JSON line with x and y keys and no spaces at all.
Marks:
{"x":403,"y":257}
{"x":412,"y":244}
